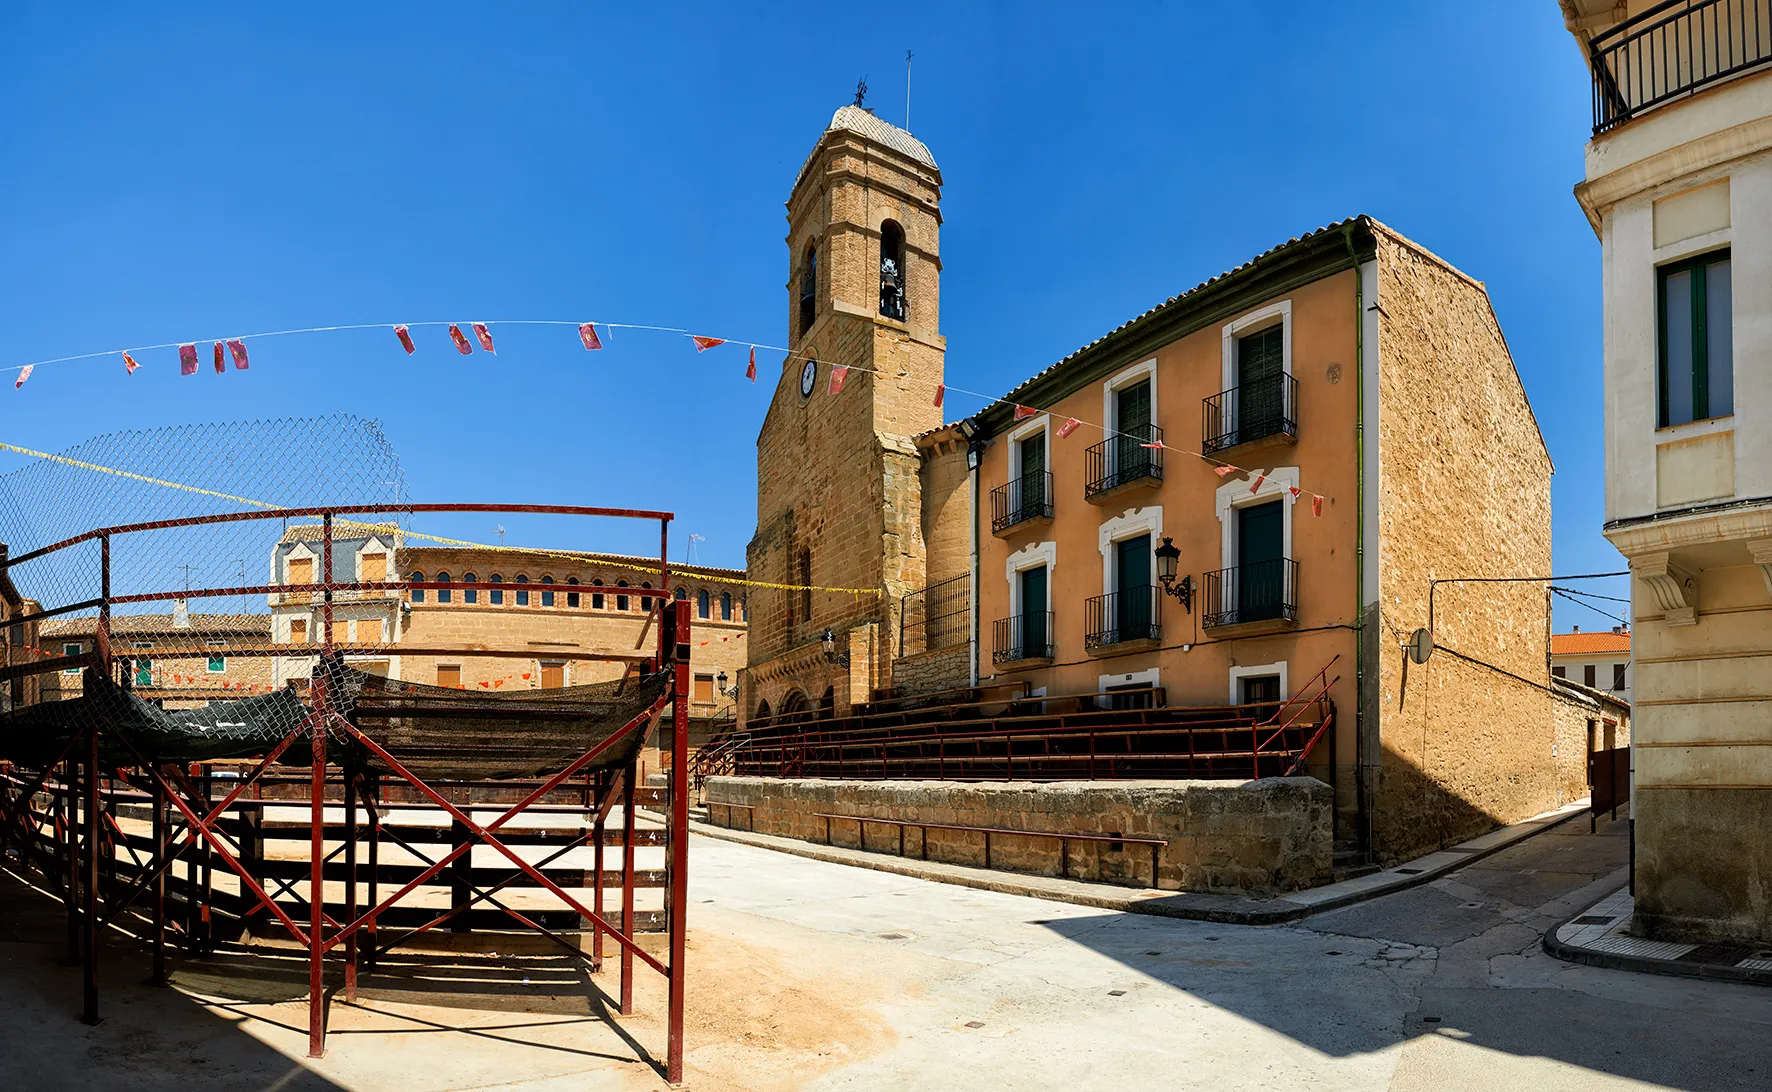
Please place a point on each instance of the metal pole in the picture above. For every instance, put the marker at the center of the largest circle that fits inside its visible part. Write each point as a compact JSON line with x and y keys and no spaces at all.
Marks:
{"x":161,"y":846}
{"x":677,"y":838}
{"x":351,"y":783}
{"x":91,"y":895}
{"x":627,"y":887}
{"x":598,"y":826}
{"x":317,"y":819}
{"x":71,"y":852}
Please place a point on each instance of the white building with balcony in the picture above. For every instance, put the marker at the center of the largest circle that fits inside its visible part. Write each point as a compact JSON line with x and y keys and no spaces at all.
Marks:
{"x":1678,"y":188}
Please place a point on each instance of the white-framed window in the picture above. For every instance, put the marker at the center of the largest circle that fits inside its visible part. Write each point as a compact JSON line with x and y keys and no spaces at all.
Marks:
{"x":1253,"y":679}
{"x":1128,"y":571}
{"x":1277,"y":484}
{"x":1030,"y":462}
{"x":1028,"y":630}
{"x":1129,"y":412}
{"x":71,"y":648}
{"x":218,"y":661}
{"x":1133,"y":685}
{"x":1278,"y":314}
{"x":1256,"y":373}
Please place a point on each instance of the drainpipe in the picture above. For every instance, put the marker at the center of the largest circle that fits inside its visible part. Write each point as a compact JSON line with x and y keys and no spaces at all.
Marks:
{"x":1363,"y":815}
{"x":974,"y":456}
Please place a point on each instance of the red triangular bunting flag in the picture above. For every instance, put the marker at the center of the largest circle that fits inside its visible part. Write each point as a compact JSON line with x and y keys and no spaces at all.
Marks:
{"x":405,"y":337}
{"x":750,"y":370}
{"x":1022,"y":413}
{"x":220,"y":366}
{"x":496,"y":683}
{"x":1316,"y":506}
{"x":839,"y":372}
{"x":485,"y":336}
{"x":129,"y":364}
{"x":1156,"y":445}
{"x":1069,"y":426}
{"x":24,"y":373}
{"x":703,"y":344}
{"x":486,"y":684}
{"x":460,"y":339}
{"x":525,"y":676}
{"x":1225,"y":471}
{"x":187,"y":360}
{"x":941,"y":391}
{"x":1259,"y":478}
{"x":587,"y":333}
{"x":1295,"y":491}
{"x":238,"y":348}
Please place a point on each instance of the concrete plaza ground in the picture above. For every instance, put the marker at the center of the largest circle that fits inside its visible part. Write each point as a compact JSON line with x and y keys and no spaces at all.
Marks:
{"x":806,"y":974}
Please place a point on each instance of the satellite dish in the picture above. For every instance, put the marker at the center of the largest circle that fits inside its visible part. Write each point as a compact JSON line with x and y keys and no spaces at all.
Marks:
{"x":1420,"y":646}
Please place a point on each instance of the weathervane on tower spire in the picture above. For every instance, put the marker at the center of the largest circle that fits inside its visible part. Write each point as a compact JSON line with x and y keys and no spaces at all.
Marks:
{"x":861,"y":91}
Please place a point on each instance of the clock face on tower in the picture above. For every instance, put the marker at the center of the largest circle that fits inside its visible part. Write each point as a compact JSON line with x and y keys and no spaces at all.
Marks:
{"x":808,"y":377}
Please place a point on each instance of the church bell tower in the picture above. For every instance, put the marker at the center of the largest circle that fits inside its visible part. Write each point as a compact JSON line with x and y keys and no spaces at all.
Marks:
{"x":838,"y":502}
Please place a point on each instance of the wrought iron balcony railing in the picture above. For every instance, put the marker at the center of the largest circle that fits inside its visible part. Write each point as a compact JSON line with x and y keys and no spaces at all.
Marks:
{"x":1253,"y":411}
{"x":1132,"y":614}
{"x":1023,"y":637}
{"x":1024,"y":498}
{"x":1673,"y":49}
{"x":1259,"y":592}
{"x":1122,"y":459}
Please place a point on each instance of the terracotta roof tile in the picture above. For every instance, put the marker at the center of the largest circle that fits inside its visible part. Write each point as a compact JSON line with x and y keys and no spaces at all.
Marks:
{"x":1577,"y":644}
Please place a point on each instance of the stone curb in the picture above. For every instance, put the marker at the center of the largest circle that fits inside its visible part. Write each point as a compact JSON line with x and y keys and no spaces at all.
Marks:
{"x":1575,"y":953}
{"x":1194,"y":906}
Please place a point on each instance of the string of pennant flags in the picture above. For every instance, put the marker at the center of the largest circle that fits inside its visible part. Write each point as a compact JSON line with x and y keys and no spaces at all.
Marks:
{"x":234,"y":349}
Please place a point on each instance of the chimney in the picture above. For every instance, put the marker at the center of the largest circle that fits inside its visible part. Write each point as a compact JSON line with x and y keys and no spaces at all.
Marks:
{"x":1574,"y":629}
{"x":1617,"y":629}
{"x":181,"y":614}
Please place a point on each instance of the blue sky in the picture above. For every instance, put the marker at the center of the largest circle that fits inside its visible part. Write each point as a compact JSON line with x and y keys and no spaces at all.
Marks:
{"x":238,"y":168}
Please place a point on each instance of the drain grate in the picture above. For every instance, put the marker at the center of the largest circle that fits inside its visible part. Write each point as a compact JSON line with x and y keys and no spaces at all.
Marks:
{"x":893,"y":936}
{"x":1592,"y":919}
{"x":1408,"y":871}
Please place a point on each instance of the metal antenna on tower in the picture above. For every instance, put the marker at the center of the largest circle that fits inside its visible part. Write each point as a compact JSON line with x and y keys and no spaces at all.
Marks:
{"x":907,"y":90}
{"x":689,"y":548}
{"x":500,"y":532}
{"x":861,"y":91}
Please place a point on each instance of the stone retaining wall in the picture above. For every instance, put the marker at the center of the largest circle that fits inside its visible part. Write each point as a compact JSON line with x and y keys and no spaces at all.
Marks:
{"x":1243,"y":837}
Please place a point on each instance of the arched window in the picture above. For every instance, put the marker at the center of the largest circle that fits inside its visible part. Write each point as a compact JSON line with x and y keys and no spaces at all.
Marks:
{"x":682,"y":592}
{"x":725,"y":606}
{"x":443,"y":594}
{"x":572,"y":596}
{"x":547,"y":595}
{"x":470,"y":595}
{"x":497,"y":595}
{"x":646,"y":600}
{"x":621,"y":601}
{"x":892,"y":294}
{"x":808,"y":288}
{"x":522,"y":596}
{"x":418,"y":594}
{"x":596,"y":596}
{"x":701,"y":603}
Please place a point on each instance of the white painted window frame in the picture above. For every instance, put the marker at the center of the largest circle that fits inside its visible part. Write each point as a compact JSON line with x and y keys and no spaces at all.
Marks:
{"x":1128,"y":524}
{"x":1041,"y":426}
{"x":1150,"y":676}
{"x":1238,"y":674}
{"x":1032,"y":556}
{"x":1233,"y":495}
{"x":1110,"y":415}
{"x":1253,"y":322}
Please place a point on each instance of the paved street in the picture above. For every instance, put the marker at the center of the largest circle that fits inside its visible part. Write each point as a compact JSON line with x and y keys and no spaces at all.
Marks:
{"x":813,"y":975}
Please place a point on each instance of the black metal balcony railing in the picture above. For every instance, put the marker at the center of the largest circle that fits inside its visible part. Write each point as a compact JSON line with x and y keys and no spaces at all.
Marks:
{"x":1122,"y":459}
{"x":1673,"y":49}
{"x":1258,"y":592}
{"x":1023,"y":637}
{"x":1024,"y":498}
{"x":1131,"y":614}
{"x":1266,"y":407}
{"x":935,"y":617}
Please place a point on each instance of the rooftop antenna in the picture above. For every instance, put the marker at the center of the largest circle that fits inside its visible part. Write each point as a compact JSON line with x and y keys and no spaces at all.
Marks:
{"x":689,"y":548}
{"x":907,"y":90}
{"x":861,"y":91}
{"x":499,"y":530}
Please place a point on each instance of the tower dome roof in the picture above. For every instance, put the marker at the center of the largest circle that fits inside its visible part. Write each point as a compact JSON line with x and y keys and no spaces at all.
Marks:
{"x":854,"y":119}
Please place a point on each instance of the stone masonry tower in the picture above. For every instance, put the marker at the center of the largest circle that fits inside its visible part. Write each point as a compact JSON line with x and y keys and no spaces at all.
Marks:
{"x":838,"y":492}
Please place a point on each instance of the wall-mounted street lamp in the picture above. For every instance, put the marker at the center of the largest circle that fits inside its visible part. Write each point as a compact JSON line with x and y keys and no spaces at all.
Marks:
{"x":1167,"y":555}
{"x":831,"y":655}
{"x":722,"y":689}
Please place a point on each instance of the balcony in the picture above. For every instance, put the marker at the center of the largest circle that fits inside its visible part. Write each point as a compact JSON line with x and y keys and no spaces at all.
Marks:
{"x":1024,"y":500}
{"x":1122,"y":462}
{"x":1674,"y":49}
{"x":1023,"y":639}
{"x":1254,"y":411}
{"x":1124,"y":621}
{"x":1260,"y":597}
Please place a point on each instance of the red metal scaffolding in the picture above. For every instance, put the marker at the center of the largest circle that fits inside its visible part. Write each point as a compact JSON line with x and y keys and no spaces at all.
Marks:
{"x":83,"y":831}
